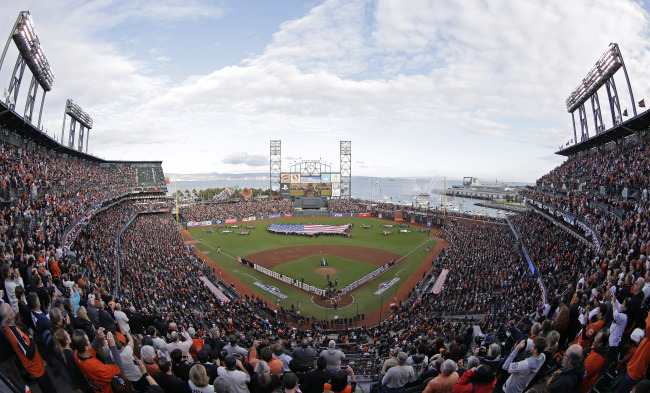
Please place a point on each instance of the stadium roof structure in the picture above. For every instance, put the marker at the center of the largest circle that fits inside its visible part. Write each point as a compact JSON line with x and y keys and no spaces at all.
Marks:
{"x":11,"y":120}
{"x":622,"y":130}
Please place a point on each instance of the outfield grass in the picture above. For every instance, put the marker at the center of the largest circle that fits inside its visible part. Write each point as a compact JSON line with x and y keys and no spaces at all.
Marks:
{"x":366,"y":301}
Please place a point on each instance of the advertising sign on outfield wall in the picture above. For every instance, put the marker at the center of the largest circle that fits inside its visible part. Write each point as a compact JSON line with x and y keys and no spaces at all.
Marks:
{"x":249,"y":218}
{"x":338,"y":214}
{"x":275,"y":216}
{"x":230,"y":220}
{"x":364,"y":214}
{"x":288,"y":215}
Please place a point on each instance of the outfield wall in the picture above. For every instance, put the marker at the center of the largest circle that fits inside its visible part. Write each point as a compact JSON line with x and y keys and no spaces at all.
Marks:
{"x":243,"y":220}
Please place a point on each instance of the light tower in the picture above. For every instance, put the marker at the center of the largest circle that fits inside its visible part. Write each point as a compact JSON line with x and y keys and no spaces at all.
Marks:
{"x":76,"y":115}
{"x":346,"y":169}
{"x":275,"y":165}
{"x":30,"y":55}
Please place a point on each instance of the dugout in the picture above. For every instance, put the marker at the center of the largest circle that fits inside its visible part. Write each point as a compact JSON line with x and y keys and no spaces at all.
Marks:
{"x":315,"y":203}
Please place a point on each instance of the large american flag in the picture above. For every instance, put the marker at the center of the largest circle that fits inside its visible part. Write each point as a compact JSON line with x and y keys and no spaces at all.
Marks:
{"x":310,"y":229}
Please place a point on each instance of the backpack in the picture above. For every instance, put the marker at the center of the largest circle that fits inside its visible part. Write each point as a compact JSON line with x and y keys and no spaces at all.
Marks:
{"x":121,"y":384}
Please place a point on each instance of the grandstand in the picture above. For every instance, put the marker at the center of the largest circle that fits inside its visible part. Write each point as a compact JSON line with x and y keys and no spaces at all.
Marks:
{"x":79,"y":231}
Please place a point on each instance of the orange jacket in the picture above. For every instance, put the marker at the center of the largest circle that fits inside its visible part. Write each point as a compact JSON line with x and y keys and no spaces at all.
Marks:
{"x":638,"y":365}
{"x":34,"y":364}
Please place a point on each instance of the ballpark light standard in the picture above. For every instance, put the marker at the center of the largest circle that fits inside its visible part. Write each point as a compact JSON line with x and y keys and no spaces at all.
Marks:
{"x":31,"y":56}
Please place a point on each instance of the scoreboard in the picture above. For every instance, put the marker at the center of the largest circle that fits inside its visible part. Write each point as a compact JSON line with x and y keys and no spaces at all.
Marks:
{"x":295,"y":184}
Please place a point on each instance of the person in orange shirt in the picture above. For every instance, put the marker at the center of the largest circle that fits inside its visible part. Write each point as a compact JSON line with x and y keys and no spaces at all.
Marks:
{"x":98,"y":374}
{"x":638,"y":365}
{"x":595,"y":360}
{"x":275,"y":364}
{"x":590,"y":330}
{"x":54,"y":268}
{"x":25,"y":349}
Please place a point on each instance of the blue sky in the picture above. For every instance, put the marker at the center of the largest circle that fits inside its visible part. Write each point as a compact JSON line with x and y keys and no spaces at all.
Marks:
{"x":421,"y":88}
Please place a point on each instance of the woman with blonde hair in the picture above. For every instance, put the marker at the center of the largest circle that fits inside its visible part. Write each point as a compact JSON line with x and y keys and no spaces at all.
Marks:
{"x":199,"y":381}
{"x":82,"y":322}
{"x":62,"y":342}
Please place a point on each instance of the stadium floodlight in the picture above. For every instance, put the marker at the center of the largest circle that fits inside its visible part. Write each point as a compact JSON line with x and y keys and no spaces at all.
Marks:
{"x":26,"y":40}
{"x":74,"y":111}
{"x":604,"y":69}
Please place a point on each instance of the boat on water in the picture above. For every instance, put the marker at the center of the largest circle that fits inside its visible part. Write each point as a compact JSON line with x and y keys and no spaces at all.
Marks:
{"x":448,"y":206}
{"x":392,"y":179}
{"x":501,"y":214}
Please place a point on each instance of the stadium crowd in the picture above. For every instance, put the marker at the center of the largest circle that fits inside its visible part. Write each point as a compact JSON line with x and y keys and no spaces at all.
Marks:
{"x":578,"y":322}
{"x":235,"y":209}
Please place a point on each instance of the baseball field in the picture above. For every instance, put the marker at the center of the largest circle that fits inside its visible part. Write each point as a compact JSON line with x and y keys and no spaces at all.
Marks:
{"x":374,"y":243}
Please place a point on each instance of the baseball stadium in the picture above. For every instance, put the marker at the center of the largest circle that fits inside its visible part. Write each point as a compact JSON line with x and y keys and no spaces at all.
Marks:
{"x":113,"y":284}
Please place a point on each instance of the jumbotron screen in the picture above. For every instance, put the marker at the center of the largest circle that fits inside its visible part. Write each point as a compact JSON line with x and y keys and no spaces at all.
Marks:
{"x":295,"y":184}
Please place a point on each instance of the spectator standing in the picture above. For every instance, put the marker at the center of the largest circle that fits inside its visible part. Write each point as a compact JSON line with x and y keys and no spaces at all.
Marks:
{"x":303,"y":357}
{"x":476,"y":380}
{"x":315,"y":379}
{"x":236,"y":374}
{"x":167,"y":380}
{"x":199,"y":381}
{"x":445,"y":381}
{"x":398,"y":376}
{"x":339,"y":382}
{"x":521,"y":373}
{"x":333,"y":357}
{"x":98,"y":374}
{"x":25,"y":349}
{"x":569,"y":377}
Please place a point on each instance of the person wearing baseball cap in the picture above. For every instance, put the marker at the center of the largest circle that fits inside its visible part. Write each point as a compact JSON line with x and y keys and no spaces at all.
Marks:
{"x":398,"y":376}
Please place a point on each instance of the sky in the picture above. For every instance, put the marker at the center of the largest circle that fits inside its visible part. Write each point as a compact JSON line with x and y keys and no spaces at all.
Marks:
{"x":421,"y":88}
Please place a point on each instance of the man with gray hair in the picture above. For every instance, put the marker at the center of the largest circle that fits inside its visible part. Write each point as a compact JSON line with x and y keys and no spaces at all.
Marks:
{"x":570,"y":375}
{"x":397,"y":376}
{"x":391,"y":361}
{"x":221,"y":385}
{"x":303,"y":356}
{"x":333,"y":357}
{"x":121,"y":318}
{"x":446,"y":380}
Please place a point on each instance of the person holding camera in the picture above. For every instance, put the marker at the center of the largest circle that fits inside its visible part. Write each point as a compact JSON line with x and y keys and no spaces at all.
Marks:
{"x":339,"y":381}
{"x":236,"y":374}
{"x":521,"y":373}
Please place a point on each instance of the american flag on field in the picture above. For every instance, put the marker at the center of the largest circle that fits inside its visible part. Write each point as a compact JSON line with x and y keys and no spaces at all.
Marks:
{"x":310,"y":229}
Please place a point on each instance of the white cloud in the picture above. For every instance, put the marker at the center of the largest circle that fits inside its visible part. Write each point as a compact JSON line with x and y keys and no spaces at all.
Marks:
{"x":243,"y":158}
{"x":487,"y":79}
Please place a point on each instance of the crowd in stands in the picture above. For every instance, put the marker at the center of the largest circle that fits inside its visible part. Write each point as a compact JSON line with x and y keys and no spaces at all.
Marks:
{"x":580,"y":321}
{"x":235,"y":209}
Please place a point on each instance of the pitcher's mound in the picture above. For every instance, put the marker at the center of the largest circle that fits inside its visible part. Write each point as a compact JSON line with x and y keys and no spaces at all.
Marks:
{"x":324,"y":271}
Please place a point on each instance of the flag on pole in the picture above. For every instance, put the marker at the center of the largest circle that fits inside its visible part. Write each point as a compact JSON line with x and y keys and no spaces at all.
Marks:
{"x":625,"y":112}
{"x":642,"y":103}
